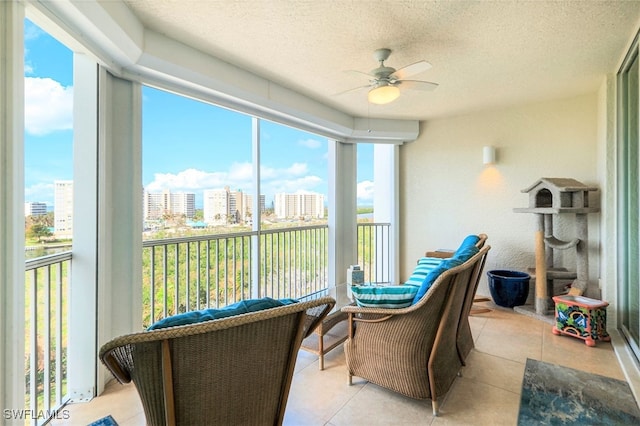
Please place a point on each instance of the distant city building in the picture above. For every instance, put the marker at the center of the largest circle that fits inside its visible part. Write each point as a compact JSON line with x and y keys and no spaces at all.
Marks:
{"x":299,"y":205}
{"x":223,"y":206}
{"x":158,"y":205}
{"x":35,"y":209}
{"x":63,"y":208}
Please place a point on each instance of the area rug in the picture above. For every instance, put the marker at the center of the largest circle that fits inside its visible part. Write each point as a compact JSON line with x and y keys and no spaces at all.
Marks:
{"x":555,"y":395}
{"x":105,"y":421}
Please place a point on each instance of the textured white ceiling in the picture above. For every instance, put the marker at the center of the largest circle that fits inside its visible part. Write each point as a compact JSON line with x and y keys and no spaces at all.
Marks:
{"x":484,"y":53}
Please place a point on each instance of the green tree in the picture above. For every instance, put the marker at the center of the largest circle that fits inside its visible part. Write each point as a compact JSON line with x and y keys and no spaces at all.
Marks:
{"x":38,"y":231}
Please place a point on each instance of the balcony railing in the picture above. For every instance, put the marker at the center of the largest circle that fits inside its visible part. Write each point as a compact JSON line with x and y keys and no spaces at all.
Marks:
{"x":47,"y":281}
{"x":184,"y":274}
{"x":374,"y":251}
{"x":211,"y":271}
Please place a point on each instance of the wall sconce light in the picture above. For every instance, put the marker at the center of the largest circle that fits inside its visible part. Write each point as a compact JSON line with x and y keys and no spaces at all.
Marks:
{"x":489,"y":155}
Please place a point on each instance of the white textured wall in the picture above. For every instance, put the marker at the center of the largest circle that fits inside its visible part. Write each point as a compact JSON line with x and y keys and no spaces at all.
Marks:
{"x":447,"y":193}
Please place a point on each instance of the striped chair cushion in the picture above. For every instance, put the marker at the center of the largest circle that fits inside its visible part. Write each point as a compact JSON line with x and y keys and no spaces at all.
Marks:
{"x":384,"y":296}
{"x":425,"y":265}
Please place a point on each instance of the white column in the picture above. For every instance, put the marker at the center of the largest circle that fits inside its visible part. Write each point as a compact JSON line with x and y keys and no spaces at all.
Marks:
{"x":256,"y":214}
{"x":12,"y":276}
{"x":82,"y":291}
{"x":106,"y":293}
{"x":120,"y":197}
{"x":386,"y":203}
{"x":342,"y":210}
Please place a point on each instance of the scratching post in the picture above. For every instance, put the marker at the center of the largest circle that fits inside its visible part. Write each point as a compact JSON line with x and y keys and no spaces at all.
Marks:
{"x":541,"y":268}
{"x":549,"y":197}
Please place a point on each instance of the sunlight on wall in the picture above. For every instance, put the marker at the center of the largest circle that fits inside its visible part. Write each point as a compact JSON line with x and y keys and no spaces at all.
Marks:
{"x":490,"y":181}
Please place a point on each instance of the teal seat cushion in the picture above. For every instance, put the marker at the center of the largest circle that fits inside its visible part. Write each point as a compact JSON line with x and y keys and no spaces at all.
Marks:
{"x":424,"y":266}
{"x":465,"y":252}
{"x":242,"y":307}
{"x":384,"y":296}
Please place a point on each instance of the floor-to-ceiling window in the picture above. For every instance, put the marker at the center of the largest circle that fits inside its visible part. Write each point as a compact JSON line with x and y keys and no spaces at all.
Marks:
{"x":629,"y":199}
{"x":293,"y":247}
{"x":233,"y":207}
{"x":48,"y":155}
{"x":197,"y":179}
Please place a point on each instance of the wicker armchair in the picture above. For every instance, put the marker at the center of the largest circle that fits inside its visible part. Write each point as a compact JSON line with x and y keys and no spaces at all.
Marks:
{"x":414,"y":350}
{"x":465,"y":338}
{"x":235,"y":370}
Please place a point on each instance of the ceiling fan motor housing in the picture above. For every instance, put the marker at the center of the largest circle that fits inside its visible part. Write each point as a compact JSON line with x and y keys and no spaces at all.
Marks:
{"x":383,"y":72}
{"x":381,"y":55}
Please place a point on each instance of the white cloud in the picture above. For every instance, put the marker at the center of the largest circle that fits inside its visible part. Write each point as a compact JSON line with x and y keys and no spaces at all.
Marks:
{"x":241,"y":172}
{"x":32,"y":31}
{"x":239,"y":176}
{"x":301,"y":184}
{"x":365,"y":190}
{"x":41,"y":192}
{"x":48,"y":106}
{"x":297,"y":169}
{"x":310,"y":143}
{"x":190,"y":180}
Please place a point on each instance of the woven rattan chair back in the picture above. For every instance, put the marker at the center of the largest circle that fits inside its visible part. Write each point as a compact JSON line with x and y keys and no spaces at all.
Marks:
{"x":230,"y":371}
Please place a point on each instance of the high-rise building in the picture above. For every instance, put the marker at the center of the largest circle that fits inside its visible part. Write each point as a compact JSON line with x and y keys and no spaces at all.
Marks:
{"x":63,"y":208}
{"x":183,"y":203}
{"x":216,"y":206}
{"x":223,"y":206}
{"x":299,"y":205}
{"x":157,"y":205}
{"x":35,"y":209}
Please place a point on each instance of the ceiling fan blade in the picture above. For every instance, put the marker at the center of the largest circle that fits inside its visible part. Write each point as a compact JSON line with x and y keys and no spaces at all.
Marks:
{"x":418,"y":84}
{"x":410,"y":70}
{"x":352,"y":90}
{"x":359,"y":73}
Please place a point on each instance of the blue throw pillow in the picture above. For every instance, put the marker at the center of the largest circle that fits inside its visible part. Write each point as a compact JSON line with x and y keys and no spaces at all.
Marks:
{"x":465,"y":252}
{"x":429,"y":280}
{"x":467,"y":249}
{"x":470,"y":240}
{"x":242,"y":307}
{"x":384,"y":296}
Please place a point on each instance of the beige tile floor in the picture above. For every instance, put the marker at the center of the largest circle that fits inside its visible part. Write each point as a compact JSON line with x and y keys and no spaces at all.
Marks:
{"x":487,"y":393}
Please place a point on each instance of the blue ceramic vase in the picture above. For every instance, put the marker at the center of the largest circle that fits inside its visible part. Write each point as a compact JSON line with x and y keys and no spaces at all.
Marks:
{"x":509,"y":288}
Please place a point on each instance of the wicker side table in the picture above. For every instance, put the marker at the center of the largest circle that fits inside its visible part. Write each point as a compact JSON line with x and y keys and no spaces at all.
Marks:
{"x":332,"y":331}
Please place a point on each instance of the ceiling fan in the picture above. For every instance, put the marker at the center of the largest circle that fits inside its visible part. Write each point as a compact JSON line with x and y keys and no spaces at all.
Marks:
{"x":385,"y":82}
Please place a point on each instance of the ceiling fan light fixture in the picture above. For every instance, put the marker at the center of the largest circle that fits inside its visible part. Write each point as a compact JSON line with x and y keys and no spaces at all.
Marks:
{"x":383,"y":94}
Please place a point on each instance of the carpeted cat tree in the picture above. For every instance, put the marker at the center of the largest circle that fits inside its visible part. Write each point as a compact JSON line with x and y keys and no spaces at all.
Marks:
{"x":549,"y":197}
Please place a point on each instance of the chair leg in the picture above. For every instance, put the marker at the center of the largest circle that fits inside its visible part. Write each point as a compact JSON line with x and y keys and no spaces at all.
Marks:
{"x":479,"y":310}
{"x":436,"y":407}
{"x":350,"y":379}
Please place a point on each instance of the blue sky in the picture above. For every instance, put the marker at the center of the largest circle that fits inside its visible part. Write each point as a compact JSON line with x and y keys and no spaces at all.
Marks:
{"x":188,"y":146}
